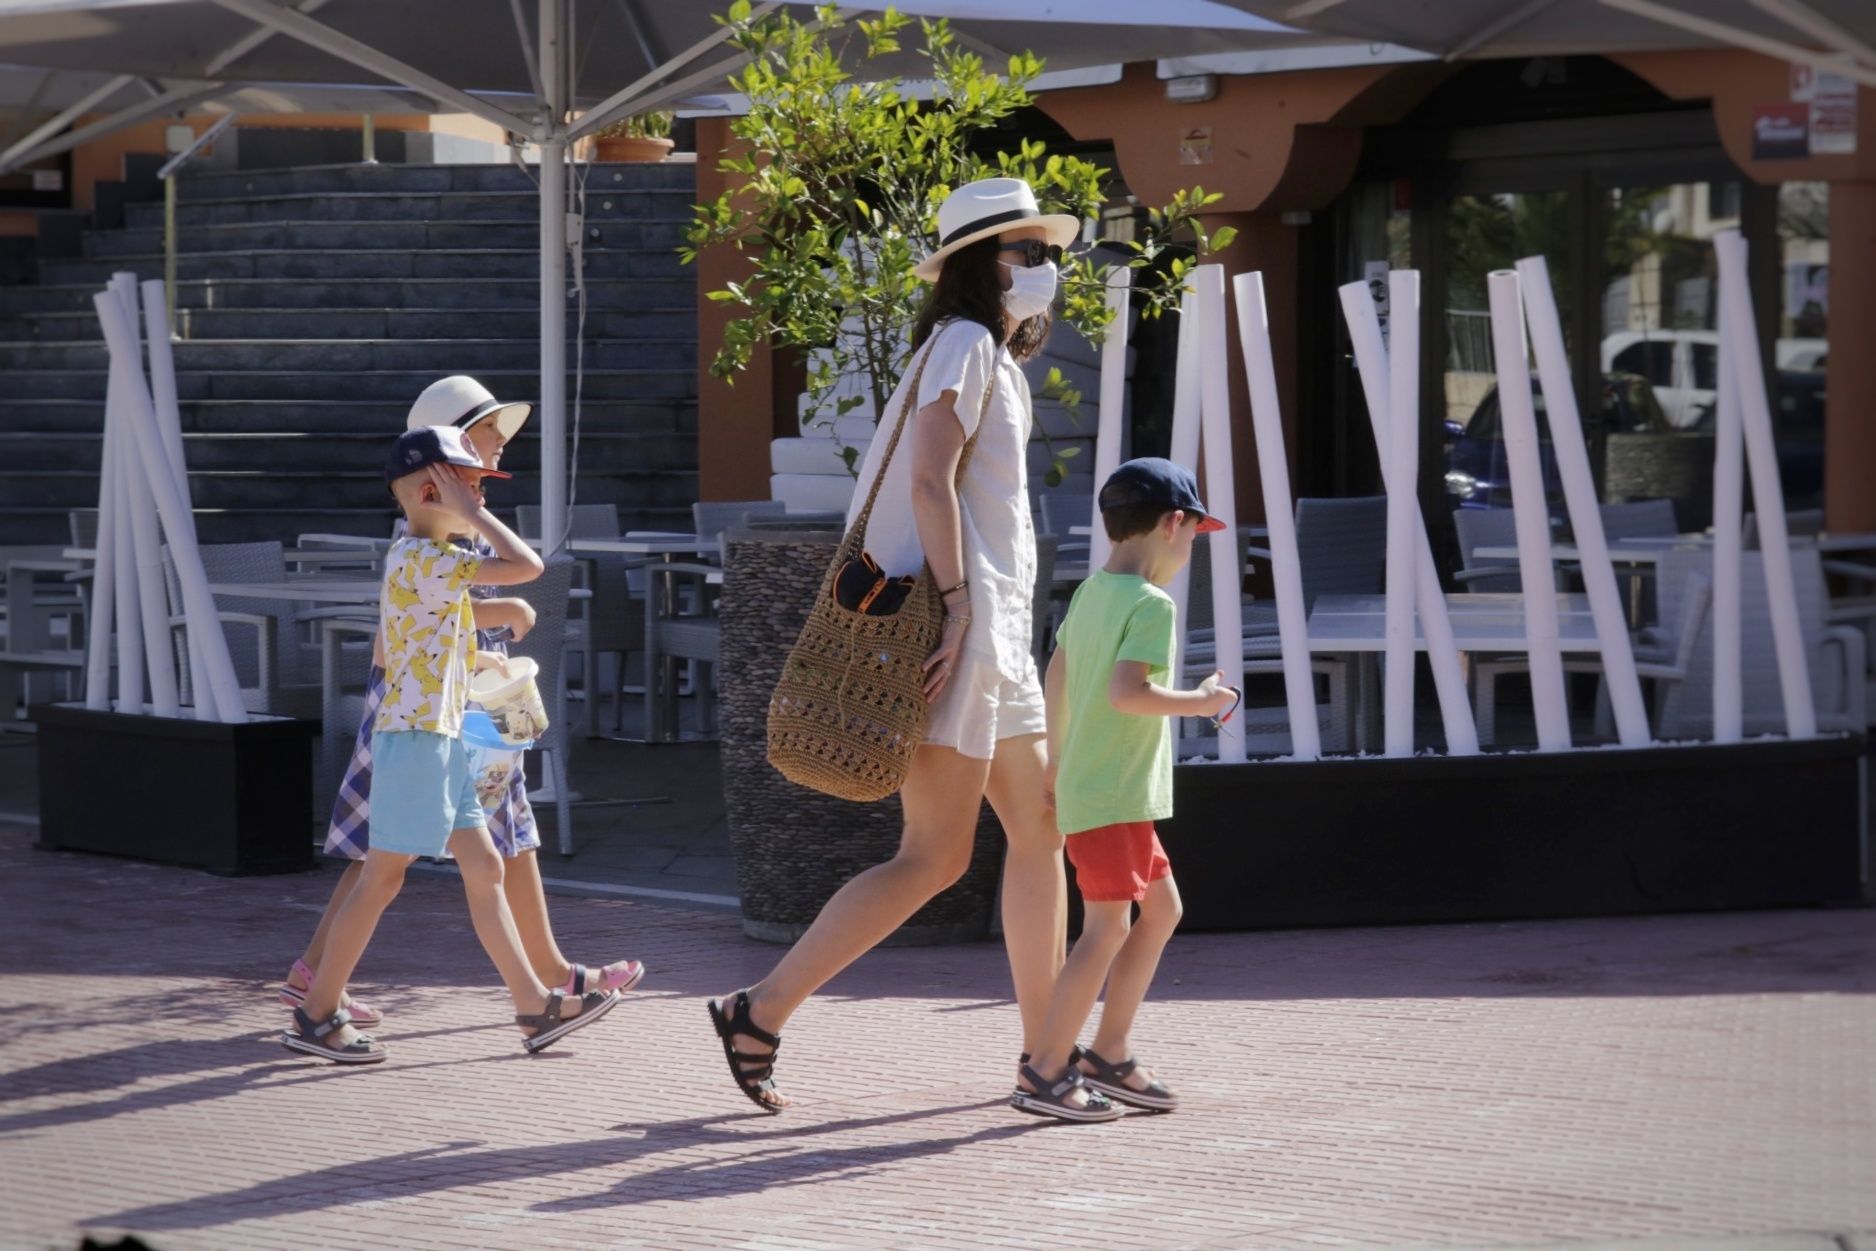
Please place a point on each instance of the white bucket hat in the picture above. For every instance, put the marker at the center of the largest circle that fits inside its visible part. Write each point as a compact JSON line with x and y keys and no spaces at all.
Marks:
{"x":461,"y":401}
{"x":988,"y":207}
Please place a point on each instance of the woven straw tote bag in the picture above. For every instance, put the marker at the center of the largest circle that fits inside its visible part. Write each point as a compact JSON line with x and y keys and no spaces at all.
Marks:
{"x":849,"y":711}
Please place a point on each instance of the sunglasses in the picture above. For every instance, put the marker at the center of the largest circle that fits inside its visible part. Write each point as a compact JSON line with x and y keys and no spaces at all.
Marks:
{"x":1035,"y":251}
{"x":1219,"y":721}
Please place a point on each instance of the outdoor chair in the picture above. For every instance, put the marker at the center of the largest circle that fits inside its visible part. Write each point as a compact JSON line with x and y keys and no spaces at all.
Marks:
{"x":679,"y":626}
{"x":1686,"y":603}
{"x":1341,"y":546}
{"x":613,"y":625}
{"x":713,"y":517}
{"x":1834,"y":654}
{"x":1487,"y":527}
{"x":1042,"y":627}
{"x":42,"y":625}
{"x":1639,"y":519}
{"x":1804,"y":523}
{"x":546,"y":645}
{"x":275,"y":670}
{"x":1056,"y":515}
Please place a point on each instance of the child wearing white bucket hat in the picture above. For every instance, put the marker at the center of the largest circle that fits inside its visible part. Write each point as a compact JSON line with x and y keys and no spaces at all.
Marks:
{"x":487,"y":425}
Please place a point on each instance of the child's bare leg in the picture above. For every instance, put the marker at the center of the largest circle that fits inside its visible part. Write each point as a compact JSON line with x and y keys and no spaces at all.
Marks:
{"x":527,"y":900}
{"x":482,"y":873}
{"x":341,"y":891}
{"x":1103,"y":932}
{"x":1133,"y":972}
{"x":351,"y":930}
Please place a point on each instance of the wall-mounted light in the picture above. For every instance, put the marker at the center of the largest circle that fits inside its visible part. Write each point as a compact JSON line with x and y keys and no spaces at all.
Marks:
{"x":1192,"y":89}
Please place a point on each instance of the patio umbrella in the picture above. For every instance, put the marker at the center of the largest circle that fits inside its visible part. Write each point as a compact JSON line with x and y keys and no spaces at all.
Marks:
{"x":487,"y":58}
{"x":1837,"y":34}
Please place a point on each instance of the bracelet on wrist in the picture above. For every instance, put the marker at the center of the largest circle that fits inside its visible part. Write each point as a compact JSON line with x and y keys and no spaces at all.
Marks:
{"x":950,"y":591}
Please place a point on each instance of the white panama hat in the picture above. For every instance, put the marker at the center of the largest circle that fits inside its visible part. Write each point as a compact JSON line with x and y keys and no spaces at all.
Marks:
{"x":461,"y":401}
{"x":988,"y":207}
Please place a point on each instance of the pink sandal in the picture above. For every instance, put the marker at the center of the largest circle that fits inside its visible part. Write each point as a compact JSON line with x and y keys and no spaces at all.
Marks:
{"x":620,"y":975}
{"x":294,"y":996}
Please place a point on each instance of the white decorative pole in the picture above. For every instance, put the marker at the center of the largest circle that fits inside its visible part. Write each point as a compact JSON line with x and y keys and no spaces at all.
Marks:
{"x":1579,"y":493}
{"x":104,"y":567}
{"x":143,"y":444}
{"x":1185,"y":443}
{"x":156,"y":303}
{"x":1768,"y":495}
{"x":1108,"y":434}
{"x":1400,"y":466}
{"x":1273,"y":471}
{"x":159,"y":657}
{"x":1221,"y":495}
{"x":1449,"y":681}
{"x":1729,"y":467}
{"x":126,"y":360}
{"x":1530,"y":509}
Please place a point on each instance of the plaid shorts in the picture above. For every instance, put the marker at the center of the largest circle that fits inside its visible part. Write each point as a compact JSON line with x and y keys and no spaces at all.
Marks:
{"x":511,"y":821}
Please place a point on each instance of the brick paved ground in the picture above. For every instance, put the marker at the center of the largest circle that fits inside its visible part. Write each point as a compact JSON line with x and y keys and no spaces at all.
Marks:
{"x":1438,"y":1086}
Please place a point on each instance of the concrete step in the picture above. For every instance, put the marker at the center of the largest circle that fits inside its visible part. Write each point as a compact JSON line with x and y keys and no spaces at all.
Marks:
{"x":354,"y":452}
{"x":254,"y":489}
{"x":51,"y":524}
{"x":604,"y":206}
{"x":379,"y":293}
{"x":678,"y":324}
{"x":466,"y":263}
{"x":424,"y":180}
{"x":386,"y":385}
{"x":440,"y":356}
{"x":372,"y":417}
{"x":431,"y":236}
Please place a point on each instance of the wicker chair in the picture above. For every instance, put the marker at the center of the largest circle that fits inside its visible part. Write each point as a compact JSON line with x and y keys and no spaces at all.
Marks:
{"x":547,"y":646}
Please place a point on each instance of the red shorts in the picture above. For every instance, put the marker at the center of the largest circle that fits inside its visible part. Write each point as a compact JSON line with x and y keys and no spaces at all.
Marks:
{"x":1114,"y":863}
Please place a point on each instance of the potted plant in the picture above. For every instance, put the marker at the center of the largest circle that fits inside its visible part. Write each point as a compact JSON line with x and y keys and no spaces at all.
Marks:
{"x":641,"y":137}
{"x":840,"y":186}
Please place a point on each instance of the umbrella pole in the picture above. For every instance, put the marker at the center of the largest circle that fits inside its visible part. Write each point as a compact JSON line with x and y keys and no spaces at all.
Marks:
{"x":553,"y":195}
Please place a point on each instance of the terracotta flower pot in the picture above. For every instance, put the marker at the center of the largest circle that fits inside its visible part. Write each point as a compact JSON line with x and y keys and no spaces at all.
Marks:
{"x":631,"y":149}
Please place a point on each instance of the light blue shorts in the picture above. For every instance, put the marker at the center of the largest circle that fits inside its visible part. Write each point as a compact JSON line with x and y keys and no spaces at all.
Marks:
{"x":421,"y":790}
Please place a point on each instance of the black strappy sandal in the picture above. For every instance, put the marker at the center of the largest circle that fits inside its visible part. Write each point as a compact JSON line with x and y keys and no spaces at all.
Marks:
{"x":550,"y":1027}
{"x":1054,"y":1098}
{"x":1111,"y":1080}
{"x":755,"y":1082}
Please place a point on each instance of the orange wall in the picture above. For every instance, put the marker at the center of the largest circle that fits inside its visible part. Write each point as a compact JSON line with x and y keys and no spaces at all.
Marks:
{"x":21,"y":224}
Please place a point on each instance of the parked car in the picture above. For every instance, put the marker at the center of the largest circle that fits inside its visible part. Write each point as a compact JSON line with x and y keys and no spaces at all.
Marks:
{"x":1476,"y":471}
{"x":1683,"y":366}
{"x":1798,"y":427}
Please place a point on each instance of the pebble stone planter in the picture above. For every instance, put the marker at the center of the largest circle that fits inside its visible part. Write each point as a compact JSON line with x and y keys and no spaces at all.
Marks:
{"x":795,"y":847}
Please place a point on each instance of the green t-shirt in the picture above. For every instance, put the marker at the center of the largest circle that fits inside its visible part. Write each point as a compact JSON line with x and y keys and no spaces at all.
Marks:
{"x":1116,"y":767}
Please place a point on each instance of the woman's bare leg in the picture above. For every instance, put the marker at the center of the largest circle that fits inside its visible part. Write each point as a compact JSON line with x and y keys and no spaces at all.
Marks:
{"x":527,"y":900}
{"x":941,"y":796}
{"x":1035,"y":890}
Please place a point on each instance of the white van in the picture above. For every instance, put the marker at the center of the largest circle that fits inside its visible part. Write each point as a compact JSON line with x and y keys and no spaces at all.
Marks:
{"x":1683,"y":365}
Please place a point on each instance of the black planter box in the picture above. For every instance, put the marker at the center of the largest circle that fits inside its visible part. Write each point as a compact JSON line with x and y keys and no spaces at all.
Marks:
{"x":1276,"y":845}
{"x":226,"y":798}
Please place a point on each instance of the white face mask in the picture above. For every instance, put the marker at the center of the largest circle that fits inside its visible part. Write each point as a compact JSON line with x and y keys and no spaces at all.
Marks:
{"x":1032,"y":290}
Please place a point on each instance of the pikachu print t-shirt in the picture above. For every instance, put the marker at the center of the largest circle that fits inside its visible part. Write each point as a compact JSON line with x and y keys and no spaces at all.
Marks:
{"x":429,"y":633}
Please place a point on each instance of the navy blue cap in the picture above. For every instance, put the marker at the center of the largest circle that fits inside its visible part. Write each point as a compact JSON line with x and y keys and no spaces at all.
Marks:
{"x":432,"y":445}
{"x":1156,"y":481}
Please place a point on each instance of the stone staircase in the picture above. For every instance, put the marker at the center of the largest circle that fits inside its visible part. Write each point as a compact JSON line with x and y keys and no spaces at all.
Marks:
{"x":315,"y":303}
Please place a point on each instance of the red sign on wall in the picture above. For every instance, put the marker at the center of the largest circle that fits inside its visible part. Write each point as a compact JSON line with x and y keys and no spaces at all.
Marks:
{"x":1781,"y":132}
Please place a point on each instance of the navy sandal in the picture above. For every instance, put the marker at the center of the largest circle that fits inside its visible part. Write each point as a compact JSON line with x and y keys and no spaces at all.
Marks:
{"x":753,"y":1082}
{"x":314,"y":1038}
{"x":1055,"y":1098}
{"x":1111,"y":1080}
{"x":550,"y":1026}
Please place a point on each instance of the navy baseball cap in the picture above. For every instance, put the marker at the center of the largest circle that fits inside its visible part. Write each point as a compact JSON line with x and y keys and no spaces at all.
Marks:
{"x":1157,"y":481}
{"x":433,"y":445}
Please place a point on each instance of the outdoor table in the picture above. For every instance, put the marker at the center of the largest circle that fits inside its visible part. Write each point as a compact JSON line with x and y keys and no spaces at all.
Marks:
{"x":1494,"y":622}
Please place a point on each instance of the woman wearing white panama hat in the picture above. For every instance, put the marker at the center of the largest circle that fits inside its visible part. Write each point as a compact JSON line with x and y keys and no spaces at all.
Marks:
{"x":994,"y":278}
{"x":488,"y":425}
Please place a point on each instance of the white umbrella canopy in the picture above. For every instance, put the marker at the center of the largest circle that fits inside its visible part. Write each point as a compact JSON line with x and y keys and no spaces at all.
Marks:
{"x":527,"y":65}
{"x":1840,"y":34}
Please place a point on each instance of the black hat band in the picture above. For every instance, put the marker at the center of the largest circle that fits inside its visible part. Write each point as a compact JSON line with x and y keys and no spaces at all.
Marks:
{"x":995,"y":219}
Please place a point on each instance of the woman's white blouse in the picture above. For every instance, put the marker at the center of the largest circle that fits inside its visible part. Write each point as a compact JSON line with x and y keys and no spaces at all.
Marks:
{"x":993,"y":500}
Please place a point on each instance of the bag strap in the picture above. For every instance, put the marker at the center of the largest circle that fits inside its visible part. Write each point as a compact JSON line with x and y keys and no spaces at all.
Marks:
{"x":905,"y":413}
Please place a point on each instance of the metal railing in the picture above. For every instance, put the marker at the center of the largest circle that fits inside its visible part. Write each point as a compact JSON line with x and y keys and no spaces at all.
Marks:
{"x":168,"y":175}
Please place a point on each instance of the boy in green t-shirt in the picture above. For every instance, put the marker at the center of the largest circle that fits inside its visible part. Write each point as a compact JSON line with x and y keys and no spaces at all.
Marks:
{"x":1109,"y":778}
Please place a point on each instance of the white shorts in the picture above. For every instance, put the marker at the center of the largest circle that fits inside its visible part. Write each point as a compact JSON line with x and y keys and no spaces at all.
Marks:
{"x":979,"y":708}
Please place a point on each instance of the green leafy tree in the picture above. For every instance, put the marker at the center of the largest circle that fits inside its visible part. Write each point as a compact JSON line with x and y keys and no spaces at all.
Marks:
{"x":842,"y":180}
